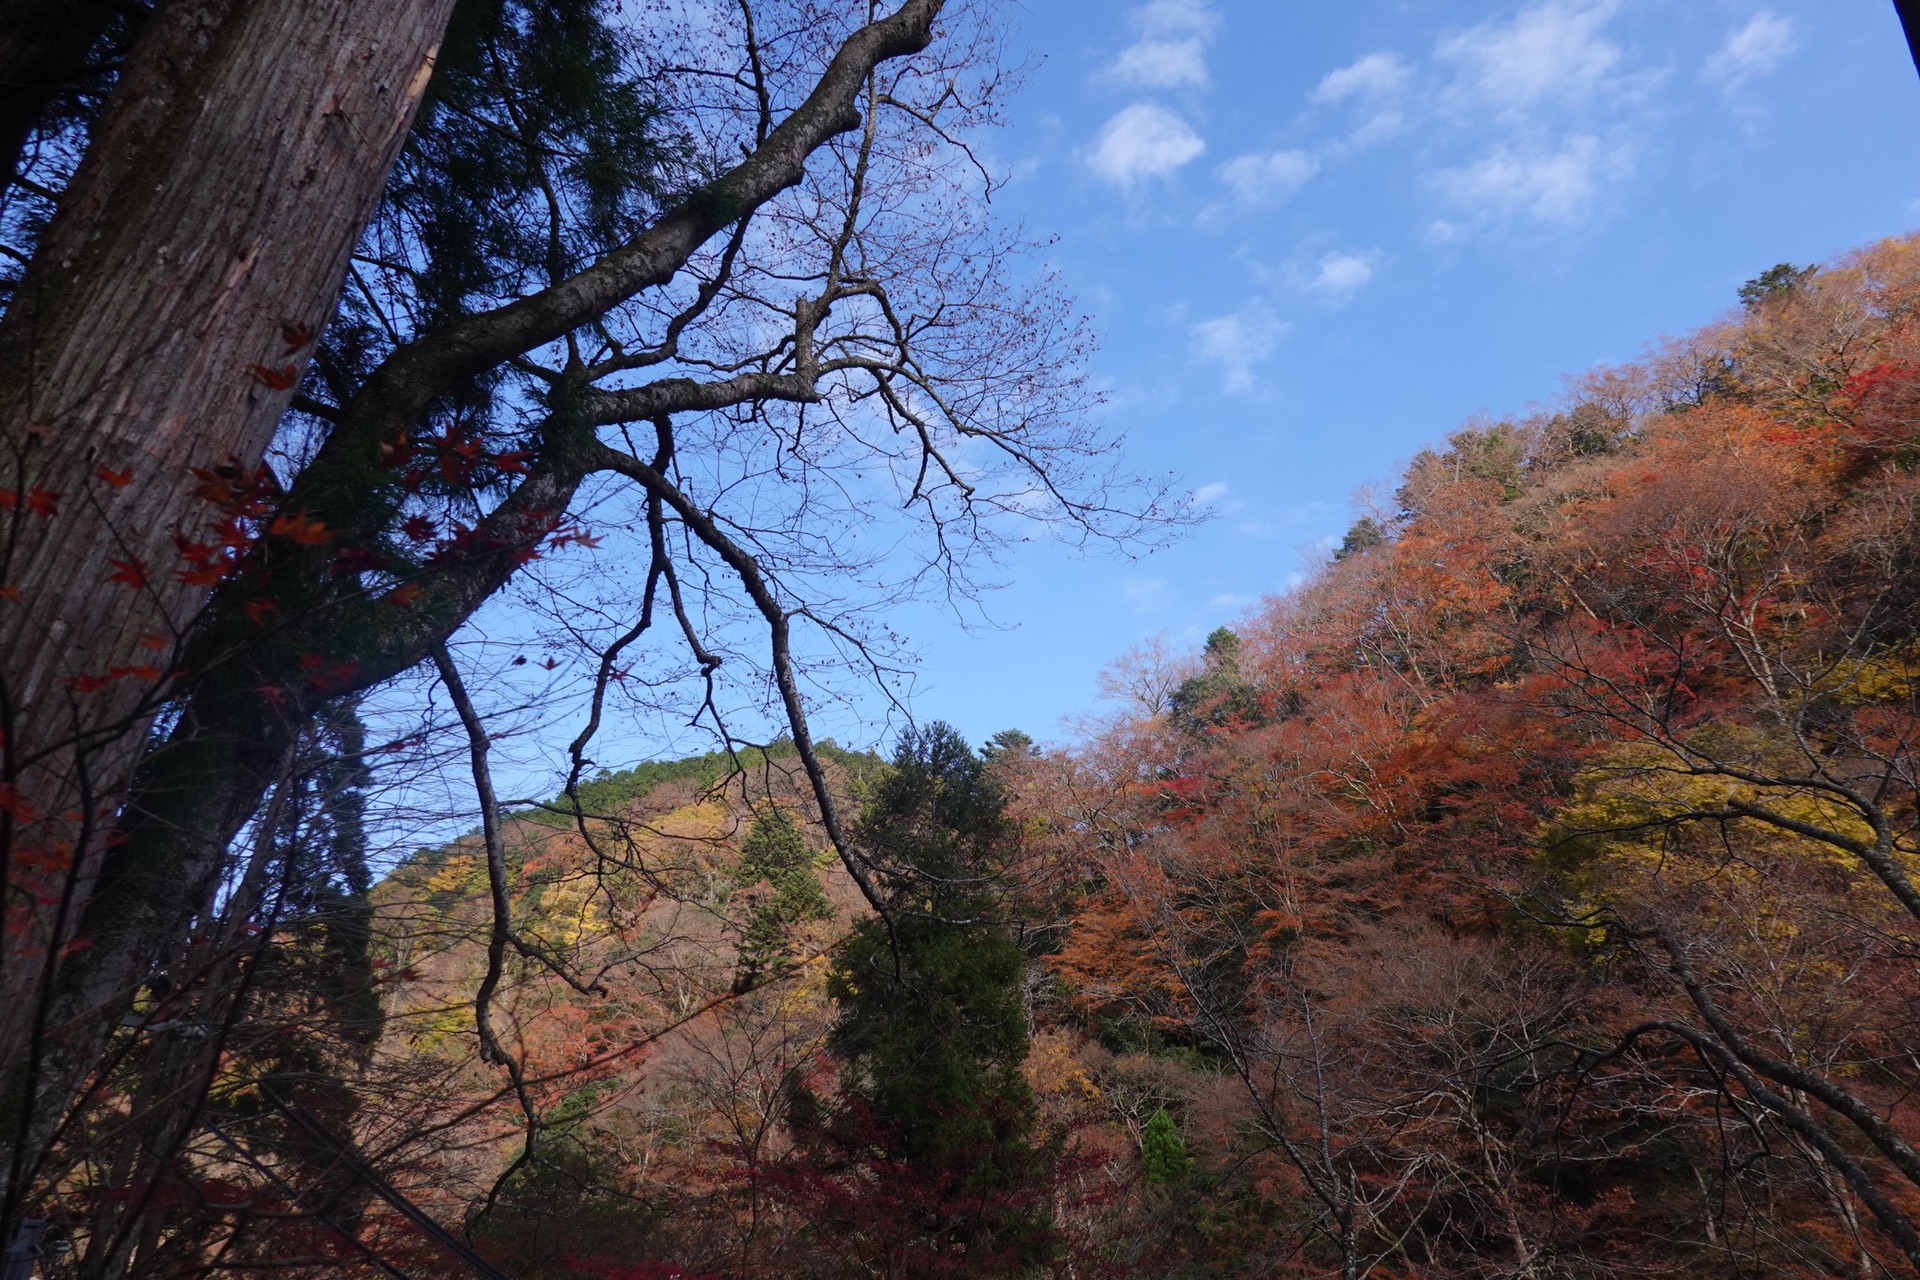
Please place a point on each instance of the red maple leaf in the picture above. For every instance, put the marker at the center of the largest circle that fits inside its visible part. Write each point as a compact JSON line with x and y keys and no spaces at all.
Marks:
{"x":118,"y":479}
{"x":299,"y":528}
{"x":206,"y":575}
{"x":295,"y":335}
{"x":16,"y":805}
{"x":130,"y":571}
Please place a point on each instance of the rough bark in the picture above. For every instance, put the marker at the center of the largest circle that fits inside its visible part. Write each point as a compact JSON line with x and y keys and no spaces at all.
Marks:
{"x":158,"y":329}
{"x":194,"y":793}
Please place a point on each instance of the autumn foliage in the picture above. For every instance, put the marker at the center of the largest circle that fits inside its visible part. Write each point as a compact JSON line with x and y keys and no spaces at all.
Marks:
{"x":1531,"y":892}
{"x":1540,"y":874}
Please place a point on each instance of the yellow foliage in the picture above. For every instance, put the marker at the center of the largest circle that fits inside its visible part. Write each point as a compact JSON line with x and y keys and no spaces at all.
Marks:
{"x":457,"y":875}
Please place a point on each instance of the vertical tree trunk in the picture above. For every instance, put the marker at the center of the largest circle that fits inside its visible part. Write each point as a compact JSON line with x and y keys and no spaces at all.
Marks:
{"x":159,"y":329}
{"x":1909,"y":11}
{"x":43,"y":52}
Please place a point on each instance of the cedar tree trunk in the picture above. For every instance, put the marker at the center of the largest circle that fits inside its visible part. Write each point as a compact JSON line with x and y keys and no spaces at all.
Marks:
{"x":160,"y":329}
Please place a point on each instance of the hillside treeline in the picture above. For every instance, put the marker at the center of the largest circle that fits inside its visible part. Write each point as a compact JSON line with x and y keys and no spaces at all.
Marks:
{"x":1530,"y":892}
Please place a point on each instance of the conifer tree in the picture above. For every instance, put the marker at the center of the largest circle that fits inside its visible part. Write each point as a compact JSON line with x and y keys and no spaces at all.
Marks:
{"x":932,"y":1031}
{"x":776,"y":855}
{"x":1163,"y":1153}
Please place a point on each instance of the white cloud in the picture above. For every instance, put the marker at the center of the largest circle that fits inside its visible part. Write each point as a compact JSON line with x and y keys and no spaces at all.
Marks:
{"x":1269,"y":178}
{"x":1553,"y":186}
{"x":1238,"y":341}
{"x":1171,"y":52}
{"x":1376,"y":84}
{"x":1208,"y":494}
{"x":1374,"y":76}
{"x":1754,"y":49}
{"x":1553,"y":50}
{"x":1144,"y":140}
{"x":1341,"y":275}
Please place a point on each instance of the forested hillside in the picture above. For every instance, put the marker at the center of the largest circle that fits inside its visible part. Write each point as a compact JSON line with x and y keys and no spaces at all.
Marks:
{"x":1530,"y":892}
{"x":408,"y":412}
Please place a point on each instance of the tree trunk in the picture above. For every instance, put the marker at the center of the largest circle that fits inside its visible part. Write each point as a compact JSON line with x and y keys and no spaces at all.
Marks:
{"x":44,"y":46}
{"x":159,"y":329}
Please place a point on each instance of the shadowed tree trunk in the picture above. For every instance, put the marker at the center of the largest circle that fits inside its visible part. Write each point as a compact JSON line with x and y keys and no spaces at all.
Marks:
{"x":244,"y":690}
{"x":44,"y":47}
{"x":1910,"y":22}
{"x":161,"y":327}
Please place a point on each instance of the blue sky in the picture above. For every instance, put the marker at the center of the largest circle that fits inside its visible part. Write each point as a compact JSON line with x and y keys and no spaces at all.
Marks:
{"x":1316,"y":237}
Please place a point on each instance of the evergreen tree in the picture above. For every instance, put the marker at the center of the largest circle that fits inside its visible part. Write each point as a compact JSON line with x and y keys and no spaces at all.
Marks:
{"x":1363,"y":535}
{"x":1219,"y":696}
{"x":776,"y":855}
{"x":1163,"y":1154}
{"x":932,"y":1030}
{"x":1009,"y":744}
{"x":316,"y":882}
{"x":1777,"y":281}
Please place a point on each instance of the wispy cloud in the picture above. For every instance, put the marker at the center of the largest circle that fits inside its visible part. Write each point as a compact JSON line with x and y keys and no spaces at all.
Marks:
{"x":1143,"y":141}
{"x":1208,"y":494}
{"x":1553,"y":51}
{"x":1171,"y":51}
{"x":1375,"y":85}
{"x":1755,"y":49}
{"x":1238,"y":341}
{"x":1340,"y":276}
{"x":1267,"y":178}
{"x":1374,"y":76}
{"x":1561,"y":185}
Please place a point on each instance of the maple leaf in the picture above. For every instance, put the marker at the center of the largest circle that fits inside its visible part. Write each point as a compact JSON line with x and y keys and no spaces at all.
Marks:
{"x":207,"y":575}
{"x":16,"y":805}
{"x":418,"y":528}
{"x":280,"y":379}
{"x":359,"y":560}
{"x":404,"y":595}
{"x":118,"y":479}
{"x":156,"y":640}
{"x":300,"y":528}
{"x":296,"y":336}
{"x":42,"y":502}
{"x":132,"y":571}
{"x":257,"y":611}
